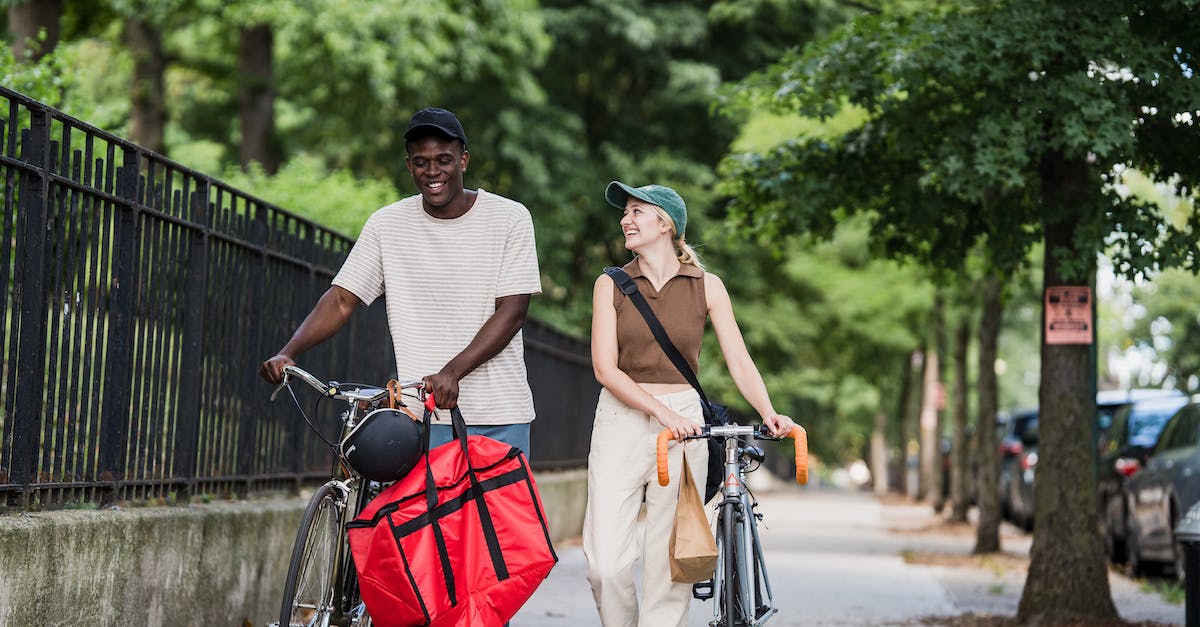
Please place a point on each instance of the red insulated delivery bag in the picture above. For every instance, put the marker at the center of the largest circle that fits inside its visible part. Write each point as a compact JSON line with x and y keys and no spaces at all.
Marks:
{"x":460,"y":541}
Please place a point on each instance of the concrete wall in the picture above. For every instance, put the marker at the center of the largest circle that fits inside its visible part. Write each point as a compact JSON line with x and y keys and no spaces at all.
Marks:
{"x":215,"y":564}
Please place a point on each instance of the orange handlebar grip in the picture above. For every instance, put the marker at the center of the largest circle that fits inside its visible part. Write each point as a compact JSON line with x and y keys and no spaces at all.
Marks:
{"x":664,"y":473}
{"x":800,"y":439}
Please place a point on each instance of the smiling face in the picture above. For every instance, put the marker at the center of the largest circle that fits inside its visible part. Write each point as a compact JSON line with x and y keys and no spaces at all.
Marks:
{"x":437,"y":165}
{"x":641,"y":225}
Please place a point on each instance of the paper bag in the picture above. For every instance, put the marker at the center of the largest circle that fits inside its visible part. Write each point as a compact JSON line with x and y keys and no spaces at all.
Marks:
{"x":693,"y":548}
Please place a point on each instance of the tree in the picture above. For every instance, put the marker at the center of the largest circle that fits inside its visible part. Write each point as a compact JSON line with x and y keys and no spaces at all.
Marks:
{"x":35,"y":27}
{"x":256,"y":97}
{"x":959,"y":475}
{"x":987,"y":534}
{"x":1001,"y":123}
{"x":1169,"y":329}
{"x":147,"y":88}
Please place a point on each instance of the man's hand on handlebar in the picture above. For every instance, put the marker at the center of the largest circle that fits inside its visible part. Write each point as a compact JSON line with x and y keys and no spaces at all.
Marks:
{"x":444,"y":388}
{"x":272,"y":369}
{"x":779,"y":425}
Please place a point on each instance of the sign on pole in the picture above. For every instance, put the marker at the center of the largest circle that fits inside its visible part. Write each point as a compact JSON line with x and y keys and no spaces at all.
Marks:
{"x":1069,"y":314}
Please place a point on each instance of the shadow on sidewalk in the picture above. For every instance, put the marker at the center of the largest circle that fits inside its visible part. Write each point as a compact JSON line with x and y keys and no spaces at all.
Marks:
{"x":988,"y":587}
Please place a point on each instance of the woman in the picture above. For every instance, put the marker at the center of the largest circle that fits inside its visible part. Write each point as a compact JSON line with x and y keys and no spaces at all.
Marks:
{"x":644,"y":394}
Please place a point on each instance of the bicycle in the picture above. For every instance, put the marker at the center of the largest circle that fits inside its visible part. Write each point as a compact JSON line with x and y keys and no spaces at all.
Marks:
{"x":740,"y":582}
{"x":321,"y":587}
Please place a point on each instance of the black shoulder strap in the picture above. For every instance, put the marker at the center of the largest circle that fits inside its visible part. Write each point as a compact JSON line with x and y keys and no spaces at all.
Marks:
{"x":629,"y":288}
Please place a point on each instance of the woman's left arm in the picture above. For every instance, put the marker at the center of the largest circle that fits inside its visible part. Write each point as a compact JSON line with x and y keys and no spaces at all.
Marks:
{"x":741,"y":367}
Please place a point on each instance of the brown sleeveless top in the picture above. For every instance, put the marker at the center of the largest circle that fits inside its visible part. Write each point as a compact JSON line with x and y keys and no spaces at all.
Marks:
{"x":683,"y":311}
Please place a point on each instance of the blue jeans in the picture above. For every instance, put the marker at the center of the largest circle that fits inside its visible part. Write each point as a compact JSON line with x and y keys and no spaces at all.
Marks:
{"x":514,"y":435}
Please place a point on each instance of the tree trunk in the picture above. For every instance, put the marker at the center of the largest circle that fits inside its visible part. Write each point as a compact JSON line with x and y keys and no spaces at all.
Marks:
{"x":912,"y":443}
{"x":879,"y":462}
{"x":987,"y":535}
{"x":27,"y":20}
{"x":256,"y":98}
{"x":900,"y":464}
{"x":146,"y":90}
{"x":1068,"y":576}
{"x":931,"y":457}
{"x":958,"y":450}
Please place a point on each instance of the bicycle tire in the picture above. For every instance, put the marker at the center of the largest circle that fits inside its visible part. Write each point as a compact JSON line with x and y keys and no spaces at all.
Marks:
{"x":309,"y":591}
{"x":730,"y":588}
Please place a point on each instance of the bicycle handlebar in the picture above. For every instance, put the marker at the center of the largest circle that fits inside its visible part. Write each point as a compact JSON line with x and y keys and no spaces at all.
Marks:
{"x":799,"y":438}
{"x":334,"y":390}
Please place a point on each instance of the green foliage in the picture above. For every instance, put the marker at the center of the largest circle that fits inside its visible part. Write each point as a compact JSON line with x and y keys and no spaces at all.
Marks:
{"x":335,"y":199}
{"x":1169,"y":327}
{"x":45,"y":79}
{"x":830,"y":327}
{"x":965,"y":112}
{"x":629,"y":87}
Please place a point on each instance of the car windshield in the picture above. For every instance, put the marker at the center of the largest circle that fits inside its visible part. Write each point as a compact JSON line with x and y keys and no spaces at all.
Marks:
{"x":1145,"y":425}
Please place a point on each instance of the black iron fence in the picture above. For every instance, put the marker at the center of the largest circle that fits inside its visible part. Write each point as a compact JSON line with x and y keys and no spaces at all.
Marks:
{"x":139,"y":297}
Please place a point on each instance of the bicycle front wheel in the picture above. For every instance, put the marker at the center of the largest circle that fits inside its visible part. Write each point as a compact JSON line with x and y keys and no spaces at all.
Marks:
{"x":309,"y":596}
{"x":731,"y":586}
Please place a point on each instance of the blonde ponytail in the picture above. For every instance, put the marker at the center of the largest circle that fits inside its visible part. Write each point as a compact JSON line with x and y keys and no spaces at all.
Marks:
{"x":683,"y":252}
{"x":686,"y":255}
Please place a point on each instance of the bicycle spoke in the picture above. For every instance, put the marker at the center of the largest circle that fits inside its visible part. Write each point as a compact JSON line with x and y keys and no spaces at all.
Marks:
{"x":309,"y":594}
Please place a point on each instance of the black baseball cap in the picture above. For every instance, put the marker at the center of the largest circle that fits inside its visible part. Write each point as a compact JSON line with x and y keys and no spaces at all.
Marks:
{"x":440,"y":121}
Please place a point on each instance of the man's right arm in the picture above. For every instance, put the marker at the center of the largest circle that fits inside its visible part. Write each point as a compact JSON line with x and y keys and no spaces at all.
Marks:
{"x":328,"y":316}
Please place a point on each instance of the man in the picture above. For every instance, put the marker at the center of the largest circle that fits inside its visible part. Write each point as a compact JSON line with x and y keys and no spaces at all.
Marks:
{"x":457,"y":268}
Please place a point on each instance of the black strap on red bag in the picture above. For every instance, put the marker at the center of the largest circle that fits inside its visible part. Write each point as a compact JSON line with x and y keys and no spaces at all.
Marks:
{"x":714,"y":414}
{"x":459,"y":425}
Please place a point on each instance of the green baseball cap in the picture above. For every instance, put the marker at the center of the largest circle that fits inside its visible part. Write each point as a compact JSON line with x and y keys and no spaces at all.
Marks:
{"x":618,"y":193}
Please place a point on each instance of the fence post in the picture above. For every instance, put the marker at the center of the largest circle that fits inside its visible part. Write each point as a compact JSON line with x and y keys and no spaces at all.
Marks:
{"x":247,"y":430}
{"x":114,"y":431}
{"x":31,"y":356}
{"x":187,"y":425}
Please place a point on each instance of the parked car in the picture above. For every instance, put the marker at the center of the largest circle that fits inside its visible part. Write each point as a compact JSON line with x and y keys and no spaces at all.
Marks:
{"x":1162,"y":490}
{"x":1018,"y":438}
{"x":1129,"y":430}
{"x":1019,"y":447}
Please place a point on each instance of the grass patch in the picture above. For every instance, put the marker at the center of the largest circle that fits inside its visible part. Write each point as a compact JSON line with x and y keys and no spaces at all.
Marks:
{"x":1170,"y":590}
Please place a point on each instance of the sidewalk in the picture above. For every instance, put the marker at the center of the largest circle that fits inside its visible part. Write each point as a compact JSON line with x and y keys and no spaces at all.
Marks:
{"x":838,"y":558}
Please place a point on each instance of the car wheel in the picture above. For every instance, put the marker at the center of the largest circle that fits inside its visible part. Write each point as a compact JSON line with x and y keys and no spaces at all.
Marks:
{"x":1135,"y":565}
{"x":1177,"y":548}
{"x":1180,"y":568}
{"x":1114,"y":547}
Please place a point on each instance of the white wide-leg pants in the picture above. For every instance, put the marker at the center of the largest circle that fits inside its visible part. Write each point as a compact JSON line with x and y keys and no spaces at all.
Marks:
{"x":621,"y":471}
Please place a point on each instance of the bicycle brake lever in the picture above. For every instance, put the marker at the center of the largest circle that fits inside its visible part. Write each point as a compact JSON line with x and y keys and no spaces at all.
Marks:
{"x":279,"y":387}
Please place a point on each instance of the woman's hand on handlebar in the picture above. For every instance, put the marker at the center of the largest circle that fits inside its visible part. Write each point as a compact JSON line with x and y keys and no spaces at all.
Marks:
{"x":272,"y":369}
{"x":779,"y":425}
{"x":678,"y":425}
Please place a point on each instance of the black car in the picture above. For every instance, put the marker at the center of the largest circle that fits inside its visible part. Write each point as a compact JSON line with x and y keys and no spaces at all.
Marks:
{"x":1128,"y":432}
{"x":1158,"y":494}
{"x":1019,"y":448}
{"x":1018,"y":439}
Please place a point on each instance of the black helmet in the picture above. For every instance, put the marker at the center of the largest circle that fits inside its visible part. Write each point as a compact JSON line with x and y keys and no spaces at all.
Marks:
{"x":384,"y":446}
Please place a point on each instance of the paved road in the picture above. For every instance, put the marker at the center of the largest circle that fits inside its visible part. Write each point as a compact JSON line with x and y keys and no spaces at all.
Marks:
{"x":838,"y":558}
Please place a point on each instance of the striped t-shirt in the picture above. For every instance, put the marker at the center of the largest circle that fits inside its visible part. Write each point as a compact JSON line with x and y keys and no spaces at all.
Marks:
{"x":441,"y":279}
